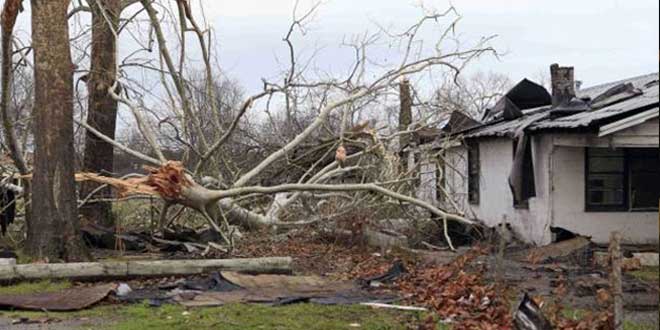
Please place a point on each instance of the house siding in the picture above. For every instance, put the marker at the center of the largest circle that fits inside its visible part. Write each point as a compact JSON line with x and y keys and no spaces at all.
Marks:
{"x":569,"y":205}
{"x":496,"y":202}
{"x":559,"y":167}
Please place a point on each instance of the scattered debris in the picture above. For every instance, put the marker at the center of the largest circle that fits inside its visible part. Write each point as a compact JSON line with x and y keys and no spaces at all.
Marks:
{"x":555,"y":252}
{"x":123,"y":290}
{"x":385,"y":239}
{"x":648,"y":259}
{"x":397,"y":270}
{"x":529,"y":316}
{"x":41,"y":320}
{"x":65,"y":300}
{"x":631,"y":264}
{"x":280,"y":290}
{"x":397,"y":307}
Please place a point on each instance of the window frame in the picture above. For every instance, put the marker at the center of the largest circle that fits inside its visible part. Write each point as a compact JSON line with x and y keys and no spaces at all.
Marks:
{"x":626,"y":206}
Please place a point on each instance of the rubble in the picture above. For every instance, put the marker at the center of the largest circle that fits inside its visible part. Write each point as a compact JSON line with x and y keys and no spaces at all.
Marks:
{"x":648,"y":259}
{"x":555,"y":252}
{"x":529,"y":316}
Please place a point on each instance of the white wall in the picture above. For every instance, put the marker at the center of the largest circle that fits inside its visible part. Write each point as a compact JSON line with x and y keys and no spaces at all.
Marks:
{"x":569,"y":205}
{"x":456,"y":182}
{"x":560,"y":187}
{"x":496,"y":200}
{"x":427,"y":189}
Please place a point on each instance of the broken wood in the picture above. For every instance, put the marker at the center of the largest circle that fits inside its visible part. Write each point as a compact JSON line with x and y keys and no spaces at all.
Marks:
{"x":396,"y":307}
{"x":615,"y":278}
{"x":128,"y":269}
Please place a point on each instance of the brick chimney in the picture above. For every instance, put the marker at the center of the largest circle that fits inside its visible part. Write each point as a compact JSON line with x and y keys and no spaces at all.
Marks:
{"x":563,"y":84}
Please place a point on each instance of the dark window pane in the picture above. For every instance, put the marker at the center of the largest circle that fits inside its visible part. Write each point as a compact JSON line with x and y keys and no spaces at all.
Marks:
{"x":650,"y":164}
{"x":644,"y":165}
{"x":644,"y":178}
{"x":609,"y":164}
{"x":606,"y":197}
{"x":644,"y":153}
{"x":645,"y":190}
{"x":606,"y":181}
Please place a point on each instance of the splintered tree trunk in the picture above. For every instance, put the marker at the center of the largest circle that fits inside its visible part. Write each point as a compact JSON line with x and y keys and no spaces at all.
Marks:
{"x":102,"y":108}
{"x":405,"y":120}
{"x":53,"y":230}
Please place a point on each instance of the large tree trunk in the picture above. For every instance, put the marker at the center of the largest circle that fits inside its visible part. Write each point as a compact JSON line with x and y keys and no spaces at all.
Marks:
{"x":102,"y":108}
{"x":10,"y":13}
{"x":53,"y":230}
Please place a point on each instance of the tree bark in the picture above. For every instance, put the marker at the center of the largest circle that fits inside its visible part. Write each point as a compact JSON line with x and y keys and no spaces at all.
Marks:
{"x":102,"y":107}
{"x":53,"y":230}
{"x":10,"y":13}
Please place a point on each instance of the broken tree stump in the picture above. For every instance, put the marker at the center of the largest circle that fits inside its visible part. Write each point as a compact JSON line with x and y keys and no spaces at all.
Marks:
{"x":132,"y":268}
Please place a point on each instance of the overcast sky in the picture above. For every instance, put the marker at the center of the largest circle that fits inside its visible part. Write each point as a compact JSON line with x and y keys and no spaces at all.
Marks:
{"x":604,"y":39}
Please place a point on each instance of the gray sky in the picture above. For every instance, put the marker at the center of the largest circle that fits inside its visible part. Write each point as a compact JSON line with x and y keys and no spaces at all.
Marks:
{"x":604,"y":39}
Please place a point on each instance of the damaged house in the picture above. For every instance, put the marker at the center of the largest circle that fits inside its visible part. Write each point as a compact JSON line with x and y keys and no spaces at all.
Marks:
{"x":573,"y":161}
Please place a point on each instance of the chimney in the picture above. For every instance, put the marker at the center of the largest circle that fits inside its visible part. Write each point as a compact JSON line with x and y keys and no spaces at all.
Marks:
{"x":563,"y":84}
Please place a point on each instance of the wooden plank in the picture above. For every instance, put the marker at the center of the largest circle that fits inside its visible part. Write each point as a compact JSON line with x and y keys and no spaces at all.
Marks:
{"x":132,"y":268}
{"x":616,"y":258}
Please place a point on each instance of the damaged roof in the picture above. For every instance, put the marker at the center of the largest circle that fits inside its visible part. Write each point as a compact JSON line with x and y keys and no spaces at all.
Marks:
{"x":595,"y":105}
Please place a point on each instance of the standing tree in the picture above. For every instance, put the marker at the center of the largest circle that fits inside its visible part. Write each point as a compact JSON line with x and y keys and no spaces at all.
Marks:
{"x":102,"y":107}
{"x":53,"y":229}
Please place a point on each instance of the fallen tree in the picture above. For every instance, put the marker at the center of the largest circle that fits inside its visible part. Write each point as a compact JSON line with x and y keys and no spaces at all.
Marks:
{"x":130,"y":269}
{"x":171,"y":183}
{"x":340,"y":99}
{"x":342,"y":111}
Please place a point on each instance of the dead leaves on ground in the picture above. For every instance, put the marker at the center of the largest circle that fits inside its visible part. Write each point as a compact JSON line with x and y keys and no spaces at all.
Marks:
{"x":459,"y":296}
{"x":457,"y":293}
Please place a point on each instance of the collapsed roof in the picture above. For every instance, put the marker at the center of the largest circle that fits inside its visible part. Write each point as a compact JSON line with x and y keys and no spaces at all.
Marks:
{"x":591,"y":108}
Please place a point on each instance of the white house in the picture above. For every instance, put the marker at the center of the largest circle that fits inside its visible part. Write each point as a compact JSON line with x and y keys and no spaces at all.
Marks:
{"x":580,"y":161}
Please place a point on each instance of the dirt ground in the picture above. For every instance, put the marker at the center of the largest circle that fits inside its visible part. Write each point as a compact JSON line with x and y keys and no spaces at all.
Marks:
{"x":498,"y":282}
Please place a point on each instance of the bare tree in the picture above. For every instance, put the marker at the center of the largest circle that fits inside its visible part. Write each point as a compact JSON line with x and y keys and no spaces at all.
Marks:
{"x":102,"y":107}
{"x":53,"y":229}
{"x":329,"y":101}
{"x":306,"y":138}
{"x":472,"y":95}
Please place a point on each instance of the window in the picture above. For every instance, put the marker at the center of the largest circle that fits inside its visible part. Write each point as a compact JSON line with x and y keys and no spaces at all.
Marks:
{"x":474,"y":171}
{"x":644,"y":177}
{"x":622,"y":180}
